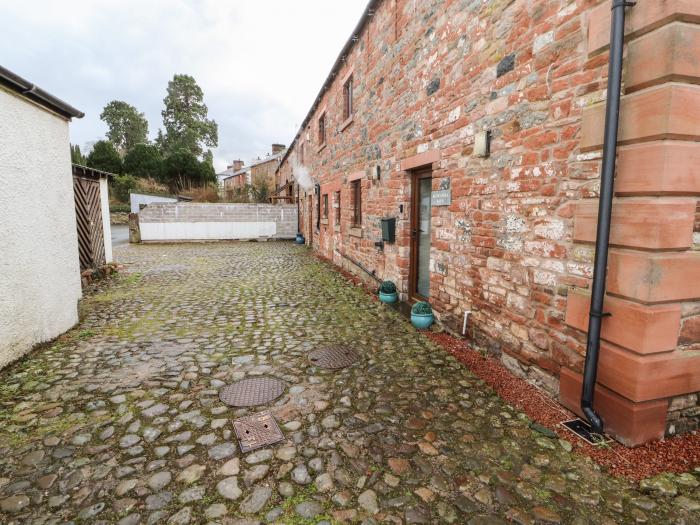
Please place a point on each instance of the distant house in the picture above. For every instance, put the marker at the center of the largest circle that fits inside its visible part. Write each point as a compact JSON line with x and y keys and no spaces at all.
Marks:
{"x":263,"y":170}
{"x":40,"y":284}
{"x":234,"y":179}
{"x":260,"y":172}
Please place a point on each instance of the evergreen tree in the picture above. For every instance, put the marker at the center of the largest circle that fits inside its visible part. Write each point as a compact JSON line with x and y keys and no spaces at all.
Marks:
{"x":105,"y":157}
{"x":126,"y":126}
{"x":144,"y":161}
{"x":76,"y":157}
{"x":185,"y":119}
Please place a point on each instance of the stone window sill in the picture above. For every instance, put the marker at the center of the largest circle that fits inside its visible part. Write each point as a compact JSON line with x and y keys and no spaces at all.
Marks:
{"x":355,"y":232}
{"x":324,"y":222}
{"x":345,"y":124}
{"x":336,"y":227}
{"x":321,"y":148}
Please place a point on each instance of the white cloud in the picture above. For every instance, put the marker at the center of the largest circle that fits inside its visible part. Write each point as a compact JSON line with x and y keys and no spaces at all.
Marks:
{"x":260,"y":63}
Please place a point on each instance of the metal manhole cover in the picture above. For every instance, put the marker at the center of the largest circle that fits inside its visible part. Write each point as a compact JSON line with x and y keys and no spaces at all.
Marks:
{"x":337,"y":356}
{"x":251,"y":392}
{"x":257,"y":430}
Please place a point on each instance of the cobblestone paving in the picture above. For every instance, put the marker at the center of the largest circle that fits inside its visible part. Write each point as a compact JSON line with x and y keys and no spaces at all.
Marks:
{"x":120,"y":421}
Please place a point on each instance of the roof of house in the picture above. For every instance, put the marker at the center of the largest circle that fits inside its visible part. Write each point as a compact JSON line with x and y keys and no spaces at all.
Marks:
{"x":354,"y":37}
{"x":92,"y":173}
{"x":274,"y":156}
{"x":228,"y":173}
{"x":38,"y":95}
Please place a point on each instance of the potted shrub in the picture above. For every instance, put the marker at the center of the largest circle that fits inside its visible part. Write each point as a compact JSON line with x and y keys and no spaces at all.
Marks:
{"x":388,"y":293}
{"x":422,"y":315}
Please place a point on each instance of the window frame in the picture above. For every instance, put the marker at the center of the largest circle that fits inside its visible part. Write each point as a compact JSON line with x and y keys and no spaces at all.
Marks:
{"x":324,"y":206}
{"x":348,"y":90}
{"x":356,"y":186}
{"x":322,"y":129}
{"x":337,"y":208}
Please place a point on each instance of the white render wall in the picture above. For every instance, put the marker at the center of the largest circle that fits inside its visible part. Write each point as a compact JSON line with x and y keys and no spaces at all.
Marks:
{"x":189,"y":221}
{"x":106,"y":226}
{"x":39,"y":267}
{"x":137,"y":199}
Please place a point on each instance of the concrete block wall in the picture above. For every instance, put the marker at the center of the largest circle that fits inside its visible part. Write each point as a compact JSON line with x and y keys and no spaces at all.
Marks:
{"x":515,"y":245}
{"x":207,"y":221}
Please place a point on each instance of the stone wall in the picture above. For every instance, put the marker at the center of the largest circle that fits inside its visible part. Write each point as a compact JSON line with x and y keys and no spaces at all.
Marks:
{"x":205,"y":221}
{"x":515,"y":244}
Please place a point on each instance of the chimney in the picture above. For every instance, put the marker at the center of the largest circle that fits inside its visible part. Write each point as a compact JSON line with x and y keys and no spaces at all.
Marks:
{"x":236,"y":165}
{"x":278,"y":148}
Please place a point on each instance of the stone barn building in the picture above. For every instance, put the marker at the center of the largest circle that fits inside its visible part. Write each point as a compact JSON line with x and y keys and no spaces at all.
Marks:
{"x":478,"y":126}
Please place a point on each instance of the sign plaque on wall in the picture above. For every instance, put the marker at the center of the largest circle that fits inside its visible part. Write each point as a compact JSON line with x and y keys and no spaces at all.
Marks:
{"x":441,"y":197}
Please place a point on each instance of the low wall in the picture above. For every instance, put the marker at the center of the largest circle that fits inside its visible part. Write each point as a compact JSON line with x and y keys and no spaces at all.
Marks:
{"x":188,"y":221}
{"x":136,"y":200}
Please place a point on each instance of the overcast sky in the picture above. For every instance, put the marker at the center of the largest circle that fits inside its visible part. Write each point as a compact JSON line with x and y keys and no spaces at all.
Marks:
{"x":259,"y":62}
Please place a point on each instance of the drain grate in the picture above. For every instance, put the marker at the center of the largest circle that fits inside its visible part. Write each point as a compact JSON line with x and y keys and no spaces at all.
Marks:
{"x":583,"y":430}
{"x":251,"y":392}
{"x":257,"y":430}
{"x":337,"y":356}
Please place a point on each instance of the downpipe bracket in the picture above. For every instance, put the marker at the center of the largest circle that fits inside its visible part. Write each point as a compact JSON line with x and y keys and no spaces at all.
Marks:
{"x":623,"y":3}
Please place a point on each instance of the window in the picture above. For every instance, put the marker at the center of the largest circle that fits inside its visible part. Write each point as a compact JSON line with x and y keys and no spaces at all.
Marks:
{"x":325,"y":206}
{"x":322,"y":129}
{"x":337,"y":208}
{"x":301,"y":153}
{"x":357,"y":203}
{"x":347,"y":99}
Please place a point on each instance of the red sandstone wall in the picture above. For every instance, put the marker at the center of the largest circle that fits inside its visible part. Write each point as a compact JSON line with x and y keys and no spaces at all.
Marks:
{"x":515,"y":245}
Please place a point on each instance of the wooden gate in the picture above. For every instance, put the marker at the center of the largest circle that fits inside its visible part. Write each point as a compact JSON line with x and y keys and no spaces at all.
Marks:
{"x":88,"y":211}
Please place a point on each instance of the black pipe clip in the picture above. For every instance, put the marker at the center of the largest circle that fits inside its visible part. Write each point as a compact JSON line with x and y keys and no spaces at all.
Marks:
{"x":622,"y":3}
{"x":600,"y":314}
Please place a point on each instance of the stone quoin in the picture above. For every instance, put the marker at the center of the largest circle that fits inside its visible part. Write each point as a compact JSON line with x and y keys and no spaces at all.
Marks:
{"x":509,"y":236}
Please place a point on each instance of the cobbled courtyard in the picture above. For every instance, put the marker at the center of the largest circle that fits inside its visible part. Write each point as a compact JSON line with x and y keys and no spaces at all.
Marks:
{"x":119,"y":421}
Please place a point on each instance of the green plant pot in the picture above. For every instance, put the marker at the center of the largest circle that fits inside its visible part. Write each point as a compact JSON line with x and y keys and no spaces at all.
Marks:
{"x":388,"y":298}
{"x":421,"y":321}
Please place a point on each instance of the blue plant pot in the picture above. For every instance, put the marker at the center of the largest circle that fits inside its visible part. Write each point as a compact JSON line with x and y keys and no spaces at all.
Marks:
{"x":421,"y":321}
{"x":299,"y":239}
{"x":388,"y":298}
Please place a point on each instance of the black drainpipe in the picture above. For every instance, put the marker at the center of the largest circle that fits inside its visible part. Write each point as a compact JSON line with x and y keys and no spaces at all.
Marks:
{"x":607,"y":176}
{"x":318,"y":206}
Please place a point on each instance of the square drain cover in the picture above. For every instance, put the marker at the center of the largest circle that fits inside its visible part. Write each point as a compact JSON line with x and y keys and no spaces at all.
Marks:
{"x":336,"y":356}
{"x":257,"y":430}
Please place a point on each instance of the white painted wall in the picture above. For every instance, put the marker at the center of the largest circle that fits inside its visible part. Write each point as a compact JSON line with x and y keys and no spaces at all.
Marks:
{"x":106,"y":226}
{"x":198,"y":221}
{"x":39,"y":267}
{"x":137,"y":199}
{"x":206,"y":231}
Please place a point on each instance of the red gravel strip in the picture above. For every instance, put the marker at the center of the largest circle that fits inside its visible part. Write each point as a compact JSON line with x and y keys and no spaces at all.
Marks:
{"x":677,"y":454}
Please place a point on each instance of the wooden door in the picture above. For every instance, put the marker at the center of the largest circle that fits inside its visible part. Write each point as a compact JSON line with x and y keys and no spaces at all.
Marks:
{"x":419,"y":270}
{"x":88,"y":212}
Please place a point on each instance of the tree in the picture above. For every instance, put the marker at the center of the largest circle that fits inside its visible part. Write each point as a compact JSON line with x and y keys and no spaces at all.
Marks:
{"x":260,"y":189}
{"x":126,"y":126}
{"x":182,"y":170}
{"x":122,"y":186}
{"x":144,"y":161}
{"x":76,"y":157}
{"x":105,"y":157}
{"x":185,"y":118}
